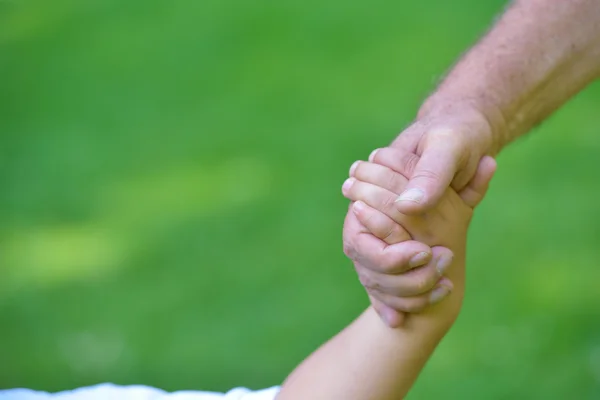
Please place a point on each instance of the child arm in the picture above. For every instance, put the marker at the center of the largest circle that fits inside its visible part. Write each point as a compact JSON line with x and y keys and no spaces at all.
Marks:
{"x":369,"y":360}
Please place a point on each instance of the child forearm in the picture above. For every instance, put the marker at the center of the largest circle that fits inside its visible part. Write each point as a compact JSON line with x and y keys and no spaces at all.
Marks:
{"x":369,"y":360}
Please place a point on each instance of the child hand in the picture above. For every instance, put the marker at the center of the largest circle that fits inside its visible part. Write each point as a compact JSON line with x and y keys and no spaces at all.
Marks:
{"x":403,"y":273}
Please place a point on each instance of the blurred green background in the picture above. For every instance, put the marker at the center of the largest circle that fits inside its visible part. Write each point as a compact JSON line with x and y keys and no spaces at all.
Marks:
{"x":170,"y":211}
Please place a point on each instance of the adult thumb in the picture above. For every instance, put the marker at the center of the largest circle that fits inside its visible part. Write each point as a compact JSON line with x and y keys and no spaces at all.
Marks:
{"x":432,"y":175}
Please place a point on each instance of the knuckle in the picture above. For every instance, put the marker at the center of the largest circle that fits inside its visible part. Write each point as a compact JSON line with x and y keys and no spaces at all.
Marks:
{"x":391,"y":234}
{"x":426,"y":282}
{"x":390,"y":264}
{"x":387,"y":204}
{"x":375,"y":295}
{"x":360,"y":171}
{"x":391,"y":179}
{"x":349,"y":250}
{"x":421,"y":284}
{"x":367,"y":218}
{"x":374,"y":285}
{"x":410,"y":163}
{"x":363,"y":278}
{"x":427,"y":174}
{"x":367,"y":281}
{"x":386,"y":264}
{"x":399,"y":234}
{"x":443,"y":134}
{"x":429,"y":235}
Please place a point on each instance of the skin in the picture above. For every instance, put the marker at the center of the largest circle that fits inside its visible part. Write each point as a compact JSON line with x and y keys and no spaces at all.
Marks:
{"x":408,"y":287}
{"x":537,"y":56}
{"x":369,"y":360}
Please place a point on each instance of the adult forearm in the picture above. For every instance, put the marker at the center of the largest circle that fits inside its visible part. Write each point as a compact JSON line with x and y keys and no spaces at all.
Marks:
{"x":538,"y":55}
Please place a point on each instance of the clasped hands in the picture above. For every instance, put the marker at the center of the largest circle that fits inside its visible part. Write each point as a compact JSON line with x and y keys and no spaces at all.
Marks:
{"x":408,"y":262}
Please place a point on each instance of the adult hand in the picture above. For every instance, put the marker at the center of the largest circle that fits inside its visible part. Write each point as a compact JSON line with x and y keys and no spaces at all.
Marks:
{"x":443,"y":146}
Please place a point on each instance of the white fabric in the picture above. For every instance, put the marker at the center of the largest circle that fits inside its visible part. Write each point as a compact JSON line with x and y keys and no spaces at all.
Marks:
{"x":109,"y":391}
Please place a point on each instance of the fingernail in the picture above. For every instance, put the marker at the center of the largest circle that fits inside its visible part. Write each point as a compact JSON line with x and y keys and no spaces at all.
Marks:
{"x":353,"y":167}
{"x":419,"y":259}
{"x":443,"y":263}
{"x":372,"y":155}
{"x":414,"y":195}
{"x":347,"y":185}
{"x":438,"y":294}
{"x":358,"y":206}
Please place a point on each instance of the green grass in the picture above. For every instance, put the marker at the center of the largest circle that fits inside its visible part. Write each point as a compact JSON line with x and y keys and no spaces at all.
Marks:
{"x":171,"y":211}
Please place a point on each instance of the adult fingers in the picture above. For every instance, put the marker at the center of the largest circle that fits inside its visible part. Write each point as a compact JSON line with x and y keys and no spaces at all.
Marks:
{"x":477,"y":188}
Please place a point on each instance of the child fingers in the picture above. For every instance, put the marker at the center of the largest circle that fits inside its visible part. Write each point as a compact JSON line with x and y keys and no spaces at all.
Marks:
{"x":371,"y":253}
{"x":416,"y":304}
{"x":379,"y":224}
{"x":411,"y":283}
{"x":398,"y":160}
{"x":391,"y":317}
{"x":379,"y":175}
{"x":375,"y":196}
